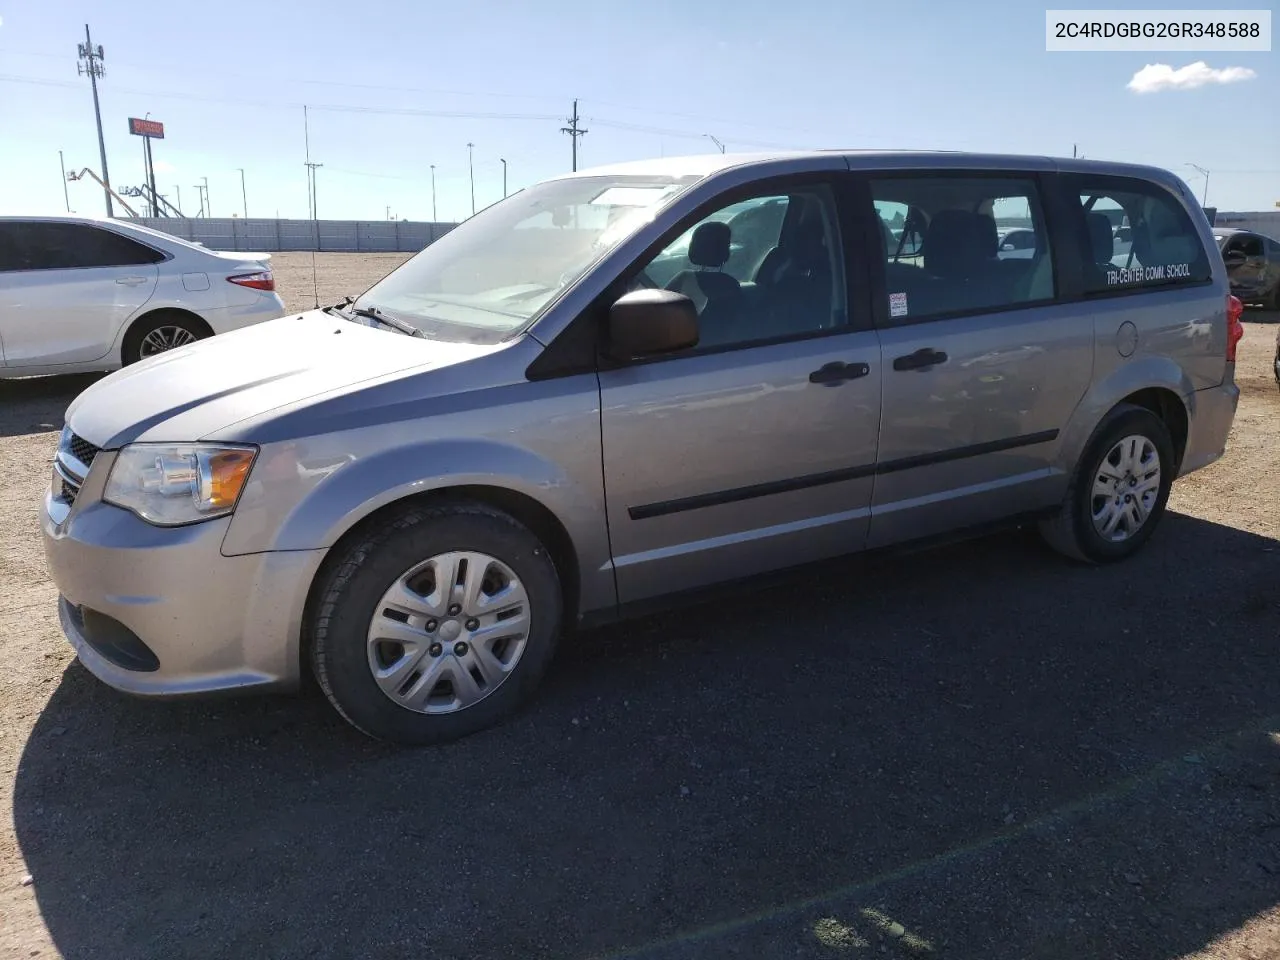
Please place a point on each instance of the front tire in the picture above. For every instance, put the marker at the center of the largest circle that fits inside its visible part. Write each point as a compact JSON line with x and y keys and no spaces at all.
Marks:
{"x":436,"y":624}
{"x":1119,"y":490}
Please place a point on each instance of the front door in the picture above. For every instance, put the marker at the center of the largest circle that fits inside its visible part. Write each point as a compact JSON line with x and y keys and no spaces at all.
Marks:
{"x":76,"y":285}
{"x":981,"y":368}
{"x":755,"y":450}
{"x":1246,"y":260}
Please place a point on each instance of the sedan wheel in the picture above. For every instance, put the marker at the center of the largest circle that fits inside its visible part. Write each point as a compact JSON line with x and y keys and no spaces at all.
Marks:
{"x":165,"y":338}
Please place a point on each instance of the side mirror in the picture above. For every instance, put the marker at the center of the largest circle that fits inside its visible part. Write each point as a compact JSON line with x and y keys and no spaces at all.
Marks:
{"x":1234,"y":258}
{"x":645,"y":323}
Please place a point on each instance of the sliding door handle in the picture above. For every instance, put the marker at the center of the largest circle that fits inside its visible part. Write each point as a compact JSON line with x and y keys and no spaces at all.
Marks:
{"x":922,"y":359}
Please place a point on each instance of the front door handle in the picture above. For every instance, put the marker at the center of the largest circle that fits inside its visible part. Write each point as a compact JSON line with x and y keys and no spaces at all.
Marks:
{"x":922,"y":359}
{"x":837,"y":372}
{"x":131,"y":281}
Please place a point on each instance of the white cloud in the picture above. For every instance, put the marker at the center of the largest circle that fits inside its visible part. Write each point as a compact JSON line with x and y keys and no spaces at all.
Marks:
{"x":1155,"y":77}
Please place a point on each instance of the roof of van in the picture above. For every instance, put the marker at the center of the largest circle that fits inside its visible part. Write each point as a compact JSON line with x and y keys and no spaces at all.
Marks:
{"x":703,"y":165}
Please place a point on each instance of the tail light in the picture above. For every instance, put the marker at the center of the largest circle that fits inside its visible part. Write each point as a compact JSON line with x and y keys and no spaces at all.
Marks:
{"x":263,"y":280}
{"x":1235,"y":329}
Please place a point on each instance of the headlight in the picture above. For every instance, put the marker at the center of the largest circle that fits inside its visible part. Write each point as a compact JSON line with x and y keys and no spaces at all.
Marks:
{"x":172,"y":484}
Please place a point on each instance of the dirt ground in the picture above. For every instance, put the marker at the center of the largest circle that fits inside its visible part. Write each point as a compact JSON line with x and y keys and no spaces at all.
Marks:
{"x":977,"y":751}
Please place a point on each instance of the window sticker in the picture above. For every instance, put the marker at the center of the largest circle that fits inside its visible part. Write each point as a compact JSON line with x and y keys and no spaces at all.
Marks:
{"x":1172,"y":271}
{"x":897,"y":304}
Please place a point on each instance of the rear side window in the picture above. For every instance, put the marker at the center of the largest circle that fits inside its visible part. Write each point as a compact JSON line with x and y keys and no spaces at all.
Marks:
{"x":1136,"y":235}
{"x":10,"y":247}
{"x":62,"y":246}
{"x":959,"y":244}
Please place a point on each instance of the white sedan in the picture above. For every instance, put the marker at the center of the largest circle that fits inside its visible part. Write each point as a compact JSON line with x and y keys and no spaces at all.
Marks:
{"x":80,"y":294}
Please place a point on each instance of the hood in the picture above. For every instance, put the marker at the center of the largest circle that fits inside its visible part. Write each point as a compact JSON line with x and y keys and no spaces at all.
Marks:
{"x":188,"y":393}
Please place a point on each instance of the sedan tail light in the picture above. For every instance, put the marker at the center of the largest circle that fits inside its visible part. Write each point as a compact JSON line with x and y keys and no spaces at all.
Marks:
{"x":262,"y":280}
{"x":1235,"y":329}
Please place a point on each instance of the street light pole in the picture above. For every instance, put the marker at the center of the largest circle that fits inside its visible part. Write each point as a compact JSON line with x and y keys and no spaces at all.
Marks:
{"x":716,"y":142}
{"x":472,"y":168}
{"x":65,"y":196}
{"x":434,"y":218}
{"x":504,"y":179}
{"x":244,"y":197}
{"x":208,"y":207}
{"x":1204,"y":173}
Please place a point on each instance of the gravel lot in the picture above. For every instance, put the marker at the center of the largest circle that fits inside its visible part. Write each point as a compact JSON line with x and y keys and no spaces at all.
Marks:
{"x":976,"y":751}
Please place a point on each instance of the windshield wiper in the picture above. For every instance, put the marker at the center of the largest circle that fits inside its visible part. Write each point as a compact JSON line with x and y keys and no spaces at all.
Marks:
{"x":395,"y":323}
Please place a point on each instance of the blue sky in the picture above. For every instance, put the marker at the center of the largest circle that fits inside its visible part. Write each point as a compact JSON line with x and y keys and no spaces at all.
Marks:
{"x":653,"y":78}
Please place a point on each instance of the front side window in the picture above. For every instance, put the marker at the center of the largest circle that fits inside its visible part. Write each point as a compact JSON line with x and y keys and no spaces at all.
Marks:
{"x":942,"y":247}
{"x":764,"y":268}
{"x":1162,"y":245}
{"x":494,"y":273}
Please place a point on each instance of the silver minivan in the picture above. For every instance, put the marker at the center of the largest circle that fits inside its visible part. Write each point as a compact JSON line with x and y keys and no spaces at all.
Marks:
{"x":620,"y":386}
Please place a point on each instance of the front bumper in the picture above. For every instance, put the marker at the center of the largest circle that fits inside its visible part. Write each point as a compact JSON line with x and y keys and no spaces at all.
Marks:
{"x":1212,"y":411}
{"x":213,"y":623}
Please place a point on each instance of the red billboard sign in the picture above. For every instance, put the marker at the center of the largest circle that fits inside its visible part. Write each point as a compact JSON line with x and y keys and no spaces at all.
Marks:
{"x":146,"y":128}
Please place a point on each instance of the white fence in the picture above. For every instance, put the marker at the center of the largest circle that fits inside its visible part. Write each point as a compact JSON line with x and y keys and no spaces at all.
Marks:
{"x":350,"y":236}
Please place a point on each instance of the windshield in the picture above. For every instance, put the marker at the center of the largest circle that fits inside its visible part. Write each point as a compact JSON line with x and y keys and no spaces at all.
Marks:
{"x":493,"y":274}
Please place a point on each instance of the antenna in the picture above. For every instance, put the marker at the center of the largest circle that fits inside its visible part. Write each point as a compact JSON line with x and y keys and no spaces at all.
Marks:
{"x":311,"y":203}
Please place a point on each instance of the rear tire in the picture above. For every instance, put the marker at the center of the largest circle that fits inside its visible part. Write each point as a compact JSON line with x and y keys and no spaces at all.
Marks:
{"x":160,"y":332}
{"x":1119,"y":491}
{"x":466,"y":654}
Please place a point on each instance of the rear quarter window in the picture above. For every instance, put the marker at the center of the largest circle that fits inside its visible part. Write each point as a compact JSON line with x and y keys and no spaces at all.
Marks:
{"x":1136,"y":235}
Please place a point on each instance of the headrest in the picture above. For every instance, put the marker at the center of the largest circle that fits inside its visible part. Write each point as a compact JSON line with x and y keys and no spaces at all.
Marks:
{"x":958,"y":241}
{"x":1101,"y":241}
{"x":709,"y":246}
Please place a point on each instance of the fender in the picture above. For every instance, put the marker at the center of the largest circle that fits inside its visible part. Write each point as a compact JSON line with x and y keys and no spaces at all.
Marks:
{"x":301,"y":496}
{"x":1141,"y":373}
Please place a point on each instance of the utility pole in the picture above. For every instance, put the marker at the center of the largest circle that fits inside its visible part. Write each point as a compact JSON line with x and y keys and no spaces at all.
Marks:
{"x":91,"y":63}
{"x":471,"y":167}
{"x":244,"y":197}
{"x":574,"y":132}
{"x":434,"y":218}
{"x":504,"y":179}
{"x":208,"y":207}
{"x":177,"y":190}
{"x":65,"y":196}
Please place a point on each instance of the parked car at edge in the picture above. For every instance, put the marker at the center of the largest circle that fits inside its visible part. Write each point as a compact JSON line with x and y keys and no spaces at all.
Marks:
{"x":521,"y":431}
{"x":81,"y":294}
{"x":1253,"y":265}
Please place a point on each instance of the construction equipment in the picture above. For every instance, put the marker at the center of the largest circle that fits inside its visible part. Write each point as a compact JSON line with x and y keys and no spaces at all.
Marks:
{"x":86,"y":172}
{"x":159,"y":202}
